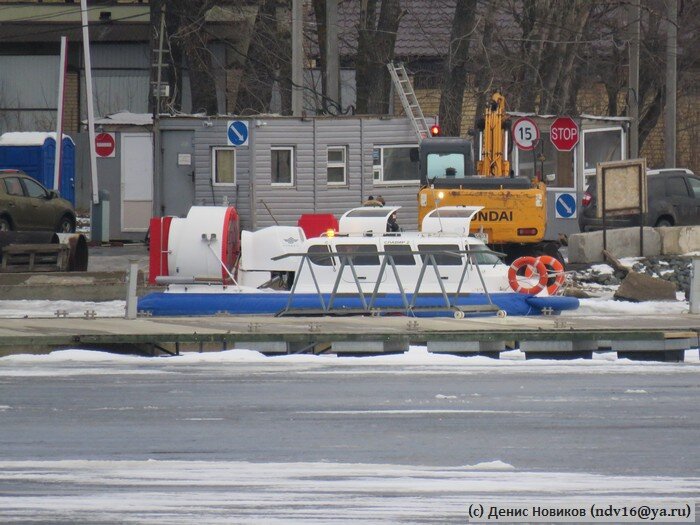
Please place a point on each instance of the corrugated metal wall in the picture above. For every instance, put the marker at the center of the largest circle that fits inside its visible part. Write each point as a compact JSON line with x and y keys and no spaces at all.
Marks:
{"x":29,"y":83}
{"x":310,"y":192}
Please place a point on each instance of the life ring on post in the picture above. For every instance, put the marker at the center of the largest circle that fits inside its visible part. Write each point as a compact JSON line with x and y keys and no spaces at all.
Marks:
{"x":555,"y":273}
{"x":524,"y":271}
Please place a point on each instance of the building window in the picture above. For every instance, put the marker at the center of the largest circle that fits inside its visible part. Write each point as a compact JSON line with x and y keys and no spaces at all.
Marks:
{"x":223,"y":162}
{"x":282,"y":166}
{"x":392,"y":164}
{"x":545,"y":159}
{"x":336,"y":165}
{"x":601,"y":145}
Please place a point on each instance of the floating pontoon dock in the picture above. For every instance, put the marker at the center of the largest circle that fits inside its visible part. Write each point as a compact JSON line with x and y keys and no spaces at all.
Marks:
{"x":652,"y":337}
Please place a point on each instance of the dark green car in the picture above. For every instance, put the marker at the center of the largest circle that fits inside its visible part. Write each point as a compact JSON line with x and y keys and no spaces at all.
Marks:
{"x":26,"y":205}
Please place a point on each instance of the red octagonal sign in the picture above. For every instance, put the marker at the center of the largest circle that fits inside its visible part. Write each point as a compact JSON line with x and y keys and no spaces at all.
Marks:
{"x":564,"y":133}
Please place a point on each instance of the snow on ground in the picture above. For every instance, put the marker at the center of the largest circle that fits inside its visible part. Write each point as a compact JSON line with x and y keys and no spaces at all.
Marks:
{"x":176,"y":492}
{"x":416,"y":361}
{"x":45,"y":308}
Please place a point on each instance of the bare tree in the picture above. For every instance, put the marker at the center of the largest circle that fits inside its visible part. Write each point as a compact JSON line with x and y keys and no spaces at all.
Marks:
{"x":267,"y":61}
{"x":375,"y":49}
{"x":192,"y":39}
{"x":456,"y":65}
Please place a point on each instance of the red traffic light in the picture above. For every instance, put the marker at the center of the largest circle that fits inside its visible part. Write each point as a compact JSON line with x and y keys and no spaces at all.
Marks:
{"x":434,"y":130}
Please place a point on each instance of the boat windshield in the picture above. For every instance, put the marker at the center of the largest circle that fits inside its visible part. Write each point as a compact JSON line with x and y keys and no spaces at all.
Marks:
{"x":483,"y":256}
{"x":444,"y":165}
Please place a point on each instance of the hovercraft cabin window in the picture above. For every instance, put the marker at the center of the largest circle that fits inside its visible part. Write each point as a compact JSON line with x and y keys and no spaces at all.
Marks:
{"x":445,"y":254}
{"x":336,"y":165}
{"x":223,"y":162}
{"x":319,"y":254}
{"x":282,"y":169}
{"x":392,"y":164}
{"x":401,"y":253}
{"x":363,"y":254}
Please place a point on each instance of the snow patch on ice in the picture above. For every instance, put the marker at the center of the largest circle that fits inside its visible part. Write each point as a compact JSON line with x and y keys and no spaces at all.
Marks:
{"x":635,"y":391}
{"x":490,"y":465}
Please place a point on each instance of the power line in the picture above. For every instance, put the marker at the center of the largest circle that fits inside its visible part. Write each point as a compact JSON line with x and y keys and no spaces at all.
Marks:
{"x":72,"y":27}
{"x":49,"y":16}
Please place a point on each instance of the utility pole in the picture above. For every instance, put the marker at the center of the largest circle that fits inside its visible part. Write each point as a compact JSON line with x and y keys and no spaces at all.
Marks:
{"x":157,"y":88}
{"x":58,"y":159}
{"x":634,"y":13}
{"x":89,"y":100}
{"x":332,"y":56}
{"x":156,"y":93}
{"x":671,"y":78}
{"x":297,"y":58}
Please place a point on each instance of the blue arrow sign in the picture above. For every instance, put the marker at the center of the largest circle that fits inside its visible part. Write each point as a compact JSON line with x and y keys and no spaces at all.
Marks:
{"x":565,"y":205}
{"x":237,"y":133}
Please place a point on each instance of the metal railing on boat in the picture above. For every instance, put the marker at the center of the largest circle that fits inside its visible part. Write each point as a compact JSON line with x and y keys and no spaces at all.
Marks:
{"x":369,"y":300}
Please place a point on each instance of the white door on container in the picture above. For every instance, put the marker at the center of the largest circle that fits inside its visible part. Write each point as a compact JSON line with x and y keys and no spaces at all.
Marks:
{"x":137,"y":181}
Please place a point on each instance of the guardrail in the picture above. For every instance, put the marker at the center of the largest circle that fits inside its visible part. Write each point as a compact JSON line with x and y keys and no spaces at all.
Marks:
{"x":369,"y":300}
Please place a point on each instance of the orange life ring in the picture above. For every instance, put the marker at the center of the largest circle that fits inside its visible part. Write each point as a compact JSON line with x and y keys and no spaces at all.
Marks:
{"x":527,"y":267}
{"x":555,"y":273}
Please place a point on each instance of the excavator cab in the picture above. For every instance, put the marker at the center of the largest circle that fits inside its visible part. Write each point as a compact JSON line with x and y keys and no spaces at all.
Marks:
{"x":445,"y":161}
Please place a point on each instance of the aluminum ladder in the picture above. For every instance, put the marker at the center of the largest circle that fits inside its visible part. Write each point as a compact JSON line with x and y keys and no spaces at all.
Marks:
{"x":410,"y":104}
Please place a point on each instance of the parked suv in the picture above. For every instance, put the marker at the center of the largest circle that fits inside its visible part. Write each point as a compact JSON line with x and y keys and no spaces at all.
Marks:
{"x":673,"y":200}
{"x":27,"y":205}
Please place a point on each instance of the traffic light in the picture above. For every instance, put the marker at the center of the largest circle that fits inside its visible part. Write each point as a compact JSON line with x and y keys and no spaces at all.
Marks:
{"x":434,"y":130}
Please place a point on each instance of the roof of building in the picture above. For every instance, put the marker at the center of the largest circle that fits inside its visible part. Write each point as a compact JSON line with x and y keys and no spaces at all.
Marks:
{"x":126,"y":118}
{"x":424,"y":28}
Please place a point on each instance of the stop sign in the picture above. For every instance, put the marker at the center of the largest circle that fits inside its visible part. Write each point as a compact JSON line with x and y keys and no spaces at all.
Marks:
{"x":104,"y":144}
{"x":564,"y":133}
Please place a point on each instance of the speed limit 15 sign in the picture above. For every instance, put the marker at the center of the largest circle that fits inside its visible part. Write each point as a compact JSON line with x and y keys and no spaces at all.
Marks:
{"x":526,"y":134}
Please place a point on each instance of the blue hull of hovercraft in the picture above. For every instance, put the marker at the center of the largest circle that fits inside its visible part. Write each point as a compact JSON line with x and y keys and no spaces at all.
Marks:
{"x":199,"y":304}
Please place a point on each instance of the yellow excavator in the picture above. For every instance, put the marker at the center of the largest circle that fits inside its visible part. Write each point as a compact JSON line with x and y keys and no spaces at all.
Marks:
{"x":514,"y":217}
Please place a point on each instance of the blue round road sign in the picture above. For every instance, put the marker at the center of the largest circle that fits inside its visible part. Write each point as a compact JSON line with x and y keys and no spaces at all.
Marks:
{"x":565,"y":205}
{"x":237,"y":133}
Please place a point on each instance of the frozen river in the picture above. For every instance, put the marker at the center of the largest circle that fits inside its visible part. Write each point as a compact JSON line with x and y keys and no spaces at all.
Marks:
{"x":238,"y":437}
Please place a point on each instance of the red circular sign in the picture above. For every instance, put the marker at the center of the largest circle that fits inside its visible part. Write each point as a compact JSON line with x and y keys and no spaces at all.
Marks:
{"x":104,"y":145}
{"x":526,"y":134}
{"x":564,"y":133}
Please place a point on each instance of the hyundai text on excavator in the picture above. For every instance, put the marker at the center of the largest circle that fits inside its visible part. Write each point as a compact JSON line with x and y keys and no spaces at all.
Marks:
{"x":514,"y":217}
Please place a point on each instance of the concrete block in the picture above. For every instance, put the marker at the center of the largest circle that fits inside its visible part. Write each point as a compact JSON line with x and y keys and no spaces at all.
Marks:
{"x":622,"y":242}
{"x":678,"y":240}
{"x":578,"y":345}
{"x":574,"y":349}
{"x":393,"y":346}
{"x":264,"y":347}
{"x":466,"y":347}
{"x":664,"y":356}
{"x":650,"y":345}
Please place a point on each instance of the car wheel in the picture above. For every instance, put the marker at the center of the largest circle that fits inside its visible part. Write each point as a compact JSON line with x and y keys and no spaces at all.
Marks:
{"x":663,"y":223}
{"x":66,"y":225}
{"x":5,"y":225}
